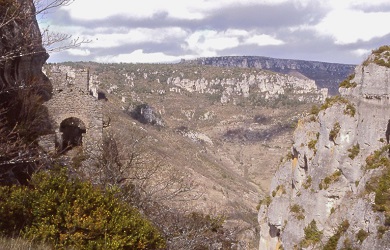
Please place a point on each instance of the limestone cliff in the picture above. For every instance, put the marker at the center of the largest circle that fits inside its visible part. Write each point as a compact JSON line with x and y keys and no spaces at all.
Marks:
{"x":325,"y":75}
{"x":265,"y":85}
{"x":332,"y":190}
{"x":22,"y":53}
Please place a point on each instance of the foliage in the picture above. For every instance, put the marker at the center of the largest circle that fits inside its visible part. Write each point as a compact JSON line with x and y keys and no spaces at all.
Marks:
{"x":65,"y":211}
{"x":382,"y":56}
{"x":334,"y":132}
{"x":312,"y":235}
{"x":279,"y":188}
{"x":307,"y":183}
{"x":298,"y":211}
{"x":361,"y":235}
{"x":314,"y":110}
{"x":378,"y":158}
{"x":347,"y":82}
{"x":265,"y":201}
{"x":325,"y":183}
{"x":329,"y":102}
{"x":334,"y":239}
{"x":354,"y":151}
{"x":312,"y":145}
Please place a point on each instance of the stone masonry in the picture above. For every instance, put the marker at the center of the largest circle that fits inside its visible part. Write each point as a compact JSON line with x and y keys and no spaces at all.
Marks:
{"x":76,"y":114}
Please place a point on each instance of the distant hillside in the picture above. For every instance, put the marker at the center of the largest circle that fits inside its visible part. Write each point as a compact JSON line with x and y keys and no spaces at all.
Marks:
{"x":326,"y":75}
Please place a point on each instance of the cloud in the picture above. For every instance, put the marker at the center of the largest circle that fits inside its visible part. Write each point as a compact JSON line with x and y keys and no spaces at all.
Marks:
{"x":138,"y":56}
{"x":328,"y":30}
{"x":350,"y":26}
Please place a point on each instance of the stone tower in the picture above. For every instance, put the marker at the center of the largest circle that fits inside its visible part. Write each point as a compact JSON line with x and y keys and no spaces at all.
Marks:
{"x":76,"y":114}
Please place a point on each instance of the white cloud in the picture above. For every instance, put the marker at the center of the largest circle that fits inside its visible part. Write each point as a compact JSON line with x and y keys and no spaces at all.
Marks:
{"x":133,"y":36}
{"x":79,"y":52}
{"x":208,"y":42}
{"x":262,"y":40}
{"x":138,"y":56}
{"x":349,"y":26}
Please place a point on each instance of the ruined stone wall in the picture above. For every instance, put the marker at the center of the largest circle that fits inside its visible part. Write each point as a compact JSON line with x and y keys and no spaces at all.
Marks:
{"x":71,"y":98}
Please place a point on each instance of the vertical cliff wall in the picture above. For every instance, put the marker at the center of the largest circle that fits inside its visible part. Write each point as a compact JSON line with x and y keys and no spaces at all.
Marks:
{"x":332,"y":192}
{"x":21,"y":51}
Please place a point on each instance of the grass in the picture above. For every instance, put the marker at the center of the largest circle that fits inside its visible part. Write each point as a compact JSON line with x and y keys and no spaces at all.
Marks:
{"x":21,"y":244}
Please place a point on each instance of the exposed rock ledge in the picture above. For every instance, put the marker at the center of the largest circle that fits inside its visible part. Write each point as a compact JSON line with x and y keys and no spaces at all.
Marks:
{"x":321,"y":195}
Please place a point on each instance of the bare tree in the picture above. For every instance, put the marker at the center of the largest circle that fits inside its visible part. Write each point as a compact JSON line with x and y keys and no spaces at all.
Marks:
{"x":23,"y":13}
{"x":161,"y":192}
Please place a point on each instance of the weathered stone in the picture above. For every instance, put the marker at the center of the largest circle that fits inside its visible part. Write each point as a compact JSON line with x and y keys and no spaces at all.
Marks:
{"x":324,"y":177}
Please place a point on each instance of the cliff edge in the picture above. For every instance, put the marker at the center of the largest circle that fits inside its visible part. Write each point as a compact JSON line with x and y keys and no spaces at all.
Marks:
{"x":332,"y":191}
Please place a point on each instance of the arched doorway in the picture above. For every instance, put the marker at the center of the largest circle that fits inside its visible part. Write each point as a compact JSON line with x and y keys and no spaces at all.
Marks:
{"x":72,"y":130}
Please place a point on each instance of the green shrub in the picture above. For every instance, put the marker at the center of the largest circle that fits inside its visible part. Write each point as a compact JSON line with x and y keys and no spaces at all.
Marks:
{"x":298,"y":211}
{"x":334,"y":132}
{"x":312,"y":145}
{"x":354,"y":151}
{"x":329,"y":102}
{"x":314,"y":110}
{"x":334,"y":239}
{"x":65,"y":212}
{"x":307,"y":183}
{"x":328,"y":180}
{"x":312,"y":235}
{"x":347,"y":82}
{"x":361,"y":235}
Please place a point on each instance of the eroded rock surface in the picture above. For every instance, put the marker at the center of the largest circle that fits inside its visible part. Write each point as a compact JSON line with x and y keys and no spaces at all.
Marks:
{"x":330,"y":175}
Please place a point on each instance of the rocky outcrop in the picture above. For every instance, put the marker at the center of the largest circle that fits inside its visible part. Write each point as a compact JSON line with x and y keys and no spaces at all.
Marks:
{"x":326,"y":194}
{"x":22,"y":53}
{"x":325,"y":75}
{"x":146,"y":114}
{"x":263,"y":85}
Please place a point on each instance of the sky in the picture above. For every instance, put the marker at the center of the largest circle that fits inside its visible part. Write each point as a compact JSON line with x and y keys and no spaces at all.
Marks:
{"x":149,"y":31}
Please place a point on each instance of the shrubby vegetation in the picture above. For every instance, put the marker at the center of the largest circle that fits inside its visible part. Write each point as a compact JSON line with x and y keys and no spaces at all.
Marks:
{"x":381,"y":56}
{"x":380,"y":185}
{"x":347,"y":82}
{"x":334,"y":239}
{"x":64,"y":211}
{"x":312,"y":235}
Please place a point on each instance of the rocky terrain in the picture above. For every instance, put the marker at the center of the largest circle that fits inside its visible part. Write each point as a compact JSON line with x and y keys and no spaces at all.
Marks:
{"x":325,"y":75}
{"x":226,"y":129}
{"x":333,"y":191}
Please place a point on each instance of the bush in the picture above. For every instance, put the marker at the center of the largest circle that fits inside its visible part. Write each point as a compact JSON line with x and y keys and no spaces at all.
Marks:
{"x":354,"y":151}
{"x":361,"y":235}
{"x":334,"y":239}
{"x":68,"y":212}
{"x":312,"y":235}
{"x":334,"y":132}
{"x":298,"y":211}
{"x":347,"y":82}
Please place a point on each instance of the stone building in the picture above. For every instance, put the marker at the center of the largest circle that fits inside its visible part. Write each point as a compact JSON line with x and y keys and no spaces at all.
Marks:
{"x":76,"y":114}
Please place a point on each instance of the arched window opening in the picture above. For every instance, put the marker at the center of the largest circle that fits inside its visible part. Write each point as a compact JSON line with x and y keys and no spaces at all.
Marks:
{"x":72,"y":133}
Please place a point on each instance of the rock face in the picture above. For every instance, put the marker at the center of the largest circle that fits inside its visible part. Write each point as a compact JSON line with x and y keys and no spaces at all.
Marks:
{"x":264,"y":85}
{"x":325,"y":75}
{"x":22,"y":54}
{"x":326,"y":192}
{"x":146,"y":114}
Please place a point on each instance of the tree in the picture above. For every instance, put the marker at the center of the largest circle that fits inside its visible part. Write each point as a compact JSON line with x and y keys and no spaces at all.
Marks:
{"x":160,"y":191}
{"x":23,"y":86}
